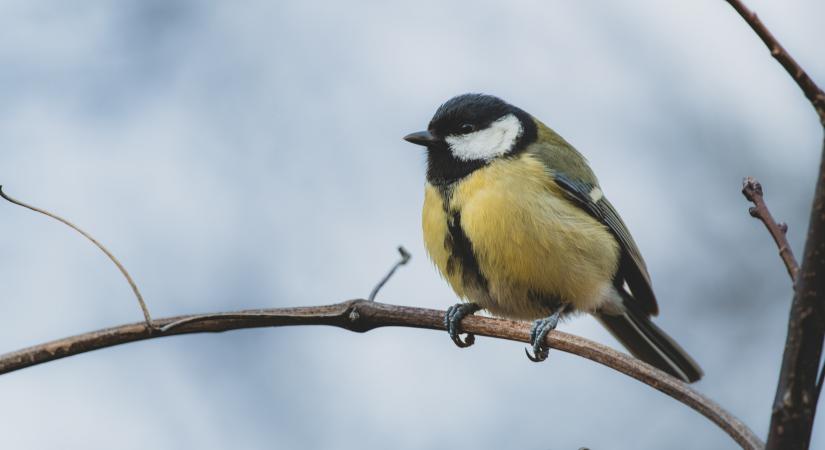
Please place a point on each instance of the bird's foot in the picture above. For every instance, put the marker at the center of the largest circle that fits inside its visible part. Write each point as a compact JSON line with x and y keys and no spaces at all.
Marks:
{"x":537,"y":334}
{"x":452,"y":321}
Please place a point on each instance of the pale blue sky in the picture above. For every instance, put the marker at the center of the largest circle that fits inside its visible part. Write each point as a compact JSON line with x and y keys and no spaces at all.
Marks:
{"x":248,"y":154}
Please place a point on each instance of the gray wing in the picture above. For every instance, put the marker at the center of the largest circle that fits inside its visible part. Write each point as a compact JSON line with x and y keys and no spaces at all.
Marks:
{"x":632,"y":268}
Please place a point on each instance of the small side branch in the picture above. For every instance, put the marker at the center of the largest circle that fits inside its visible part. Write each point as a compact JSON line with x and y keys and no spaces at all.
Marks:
{"x":147,"y":318}
{"x":363,"y":315}
{"x":752,"y":190}
{"x":405,"y":258}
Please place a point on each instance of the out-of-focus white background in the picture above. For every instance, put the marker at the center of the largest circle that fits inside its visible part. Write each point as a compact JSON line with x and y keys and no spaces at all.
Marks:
{"x":248,"y":154}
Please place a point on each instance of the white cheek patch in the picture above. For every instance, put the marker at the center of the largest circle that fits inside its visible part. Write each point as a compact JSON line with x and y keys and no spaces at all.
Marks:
{"x":486,"y":144}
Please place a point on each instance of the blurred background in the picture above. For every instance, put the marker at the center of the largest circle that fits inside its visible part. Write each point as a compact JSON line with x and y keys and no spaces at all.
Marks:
{"x":248,"y":154}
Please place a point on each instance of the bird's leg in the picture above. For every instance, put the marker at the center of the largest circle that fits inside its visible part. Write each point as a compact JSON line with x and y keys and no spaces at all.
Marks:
{"x":537,"y":334}
{"x":452,"y":321}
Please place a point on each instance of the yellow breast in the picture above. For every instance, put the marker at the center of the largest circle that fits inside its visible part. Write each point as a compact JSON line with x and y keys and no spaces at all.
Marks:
{"x":529,"y":240}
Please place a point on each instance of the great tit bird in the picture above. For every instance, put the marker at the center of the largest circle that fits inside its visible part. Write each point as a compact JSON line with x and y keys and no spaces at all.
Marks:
{"x":515,"y":220}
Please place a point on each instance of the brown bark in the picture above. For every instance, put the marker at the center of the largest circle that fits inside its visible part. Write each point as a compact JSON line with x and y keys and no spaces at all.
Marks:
{"x":361,"y":316}
{"x":794,"y":407}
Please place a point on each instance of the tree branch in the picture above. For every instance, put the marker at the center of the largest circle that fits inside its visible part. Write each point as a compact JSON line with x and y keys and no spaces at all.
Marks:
{"x":794,"y":407}
{"x":806,"y":84}
{"x":752,"y":190}
{"x":361,"y":316}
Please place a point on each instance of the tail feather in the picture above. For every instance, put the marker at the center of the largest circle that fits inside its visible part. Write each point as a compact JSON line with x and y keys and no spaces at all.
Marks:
{"x":649,"y":343}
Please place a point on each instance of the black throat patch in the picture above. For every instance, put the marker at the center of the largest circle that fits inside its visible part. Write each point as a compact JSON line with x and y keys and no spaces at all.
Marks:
{"x":444,"y":169}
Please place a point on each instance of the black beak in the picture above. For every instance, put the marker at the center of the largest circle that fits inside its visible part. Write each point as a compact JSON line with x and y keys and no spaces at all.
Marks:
{"x":424,"y":138}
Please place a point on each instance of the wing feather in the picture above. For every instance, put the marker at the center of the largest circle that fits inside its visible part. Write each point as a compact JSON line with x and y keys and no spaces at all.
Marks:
{"x":632,"y":268}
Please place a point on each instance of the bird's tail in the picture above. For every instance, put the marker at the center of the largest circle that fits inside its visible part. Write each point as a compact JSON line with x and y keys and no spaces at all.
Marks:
{"x":649,"y":343}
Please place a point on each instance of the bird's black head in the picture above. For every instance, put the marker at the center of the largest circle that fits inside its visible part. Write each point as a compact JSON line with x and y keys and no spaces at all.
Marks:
{"x":468,"y":132}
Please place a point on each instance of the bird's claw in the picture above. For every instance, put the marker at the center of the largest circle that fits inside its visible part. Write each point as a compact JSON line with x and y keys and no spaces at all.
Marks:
{"x":452,"y":322}
{"x":466,"y":342}
{"x":541,"y":354}
{"x":538,"y":332}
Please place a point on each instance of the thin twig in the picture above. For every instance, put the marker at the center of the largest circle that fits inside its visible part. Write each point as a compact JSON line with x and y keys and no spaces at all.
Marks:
{"x":752,"y":190}
{"x":806,"y":84}
{"x":405,"y":258}
{"x":147,"y":318}
{"x":364,"y":315}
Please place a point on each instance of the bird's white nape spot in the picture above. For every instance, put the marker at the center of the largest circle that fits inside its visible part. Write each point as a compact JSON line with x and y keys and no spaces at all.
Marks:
{"x":596,"y":194}
{"x":486,"y":144}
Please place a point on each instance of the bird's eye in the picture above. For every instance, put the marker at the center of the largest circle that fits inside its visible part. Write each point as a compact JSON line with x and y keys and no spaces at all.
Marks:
{"x":467,"y":128}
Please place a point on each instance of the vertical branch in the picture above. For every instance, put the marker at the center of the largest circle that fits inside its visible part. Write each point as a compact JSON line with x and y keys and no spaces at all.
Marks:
{"x":794,"y":407}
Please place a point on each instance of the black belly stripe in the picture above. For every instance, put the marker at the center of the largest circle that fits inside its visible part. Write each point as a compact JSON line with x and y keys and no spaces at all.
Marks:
{"x":461,"y":254}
